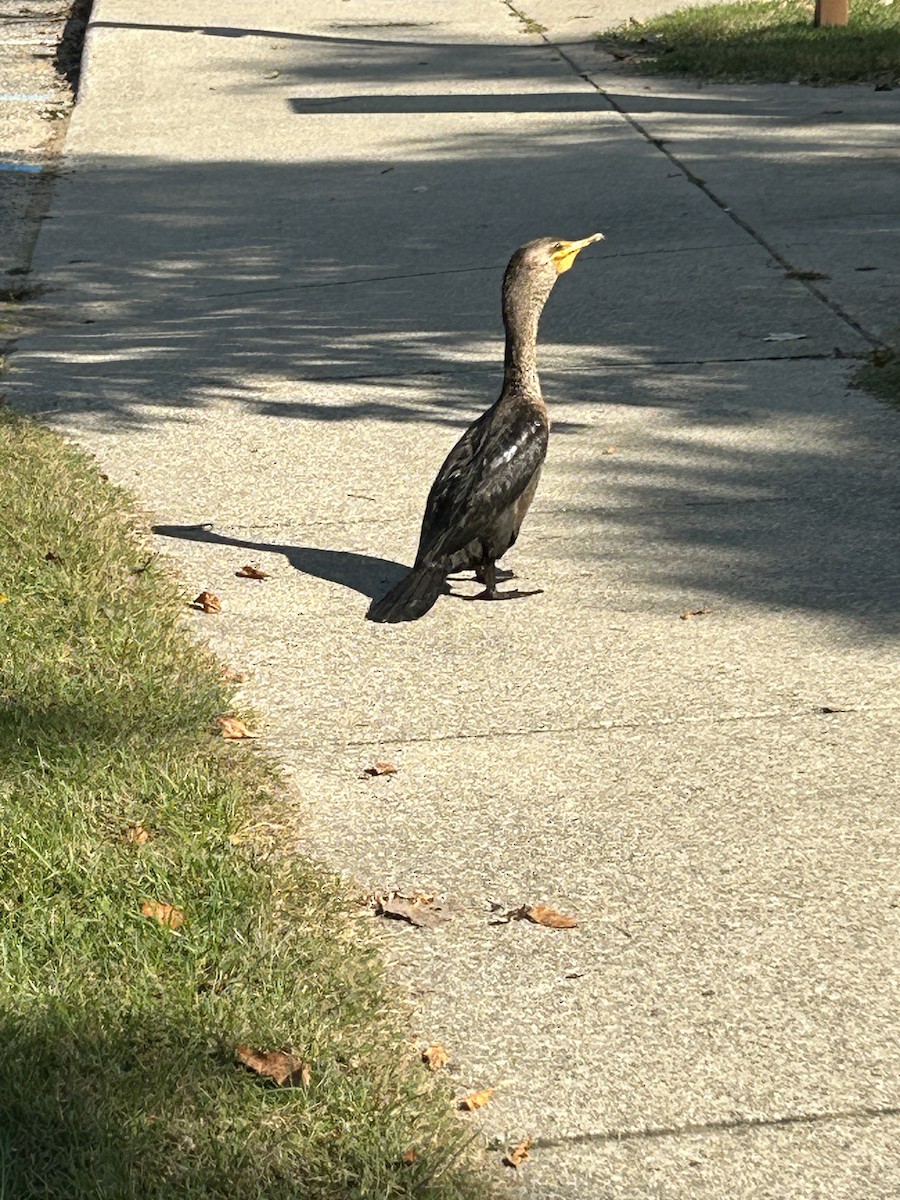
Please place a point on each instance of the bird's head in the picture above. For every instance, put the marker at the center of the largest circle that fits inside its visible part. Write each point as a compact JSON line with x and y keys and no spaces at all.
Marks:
{"x":535,"y":268}
{"x":551,"y":256}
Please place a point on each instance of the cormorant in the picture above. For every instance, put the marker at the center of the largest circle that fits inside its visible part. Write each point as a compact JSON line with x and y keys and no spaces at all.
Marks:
{"x":482,"y":492}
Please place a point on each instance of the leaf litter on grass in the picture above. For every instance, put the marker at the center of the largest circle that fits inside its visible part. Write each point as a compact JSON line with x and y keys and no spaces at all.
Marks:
{"x":234,"y":729}
{"x":117,"y":1048}
{"x":762,"y":41}
{"x":276,"y":1065}
{"x":166,"y":914}
{"x":435,"y":1057}
{"x":417,"y":909}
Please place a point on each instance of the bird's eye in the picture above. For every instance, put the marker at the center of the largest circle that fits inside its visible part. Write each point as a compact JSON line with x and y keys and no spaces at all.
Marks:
{"x":557,"y":246}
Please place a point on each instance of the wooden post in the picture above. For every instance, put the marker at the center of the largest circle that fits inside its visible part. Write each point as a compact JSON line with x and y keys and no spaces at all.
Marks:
{"x":831,"y":12}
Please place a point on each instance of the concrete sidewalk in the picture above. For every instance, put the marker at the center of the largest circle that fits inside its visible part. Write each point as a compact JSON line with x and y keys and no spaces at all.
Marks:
{"x":275,"y":269}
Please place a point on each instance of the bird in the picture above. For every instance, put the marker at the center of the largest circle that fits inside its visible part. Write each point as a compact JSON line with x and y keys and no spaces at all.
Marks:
{"x":483,"y":490}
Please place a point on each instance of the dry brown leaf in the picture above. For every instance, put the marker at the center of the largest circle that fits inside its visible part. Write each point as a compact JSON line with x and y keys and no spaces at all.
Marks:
{"x":435,"y":1056}
{"x":379,"y":768}
{"x":282,"y":1068}
{"x":137,"y":834}
{"x":543,"y":914}
{"x":694,"y":612}
{"x":234,"y":728}
{"x":252,"y":571}
{"x":518,"y":1154}
{"x":408,"y":1157}
{"x":166,"y":914}
{"x":476,"y":1100}
{"x":610,"y":450}
{"x":417,"y":909}
{"x":208,"y":602}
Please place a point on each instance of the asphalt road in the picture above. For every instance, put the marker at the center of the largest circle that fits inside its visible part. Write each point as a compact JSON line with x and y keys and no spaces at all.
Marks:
{"x":35,"y":102}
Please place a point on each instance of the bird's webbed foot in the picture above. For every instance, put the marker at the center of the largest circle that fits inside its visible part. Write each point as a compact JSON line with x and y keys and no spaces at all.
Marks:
{"x":515,"y":594}
{"x":501,"y":575}
{"x":489,"y":575}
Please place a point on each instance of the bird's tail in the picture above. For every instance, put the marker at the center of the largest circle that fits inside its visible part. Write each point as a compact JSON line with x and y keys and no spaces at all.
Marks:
{"x":412,"y":597}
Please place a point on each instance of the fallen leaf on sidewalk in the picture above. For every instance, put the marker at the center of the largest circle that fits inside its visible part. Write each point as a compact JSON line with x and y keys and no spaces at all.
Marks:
{"x":379,"y":768}
{"x":518,"y":1154}
{"x":435,"y":1057}
{"x":690,"y":613}
{"x":137,"y":834}
{"x":234,"y":728}
{"x":476,"y":1100}
{"x":418,"y":909}
{"x":276,"y":1065}
{"x":538,"y":914}
{"x":166,"y":914}
{"x":610,"y":450}
{"x":785,"y":337}
{"x":543,"y":914}
{"x":252,"y":571}
{"x":208,"y":602}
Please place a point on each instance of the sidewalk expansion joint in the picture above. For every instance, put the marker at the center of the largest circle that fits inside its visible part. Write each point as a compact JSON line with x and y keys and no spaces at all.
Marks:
{"x":737,"y":1124}
{"x":837,"y":309}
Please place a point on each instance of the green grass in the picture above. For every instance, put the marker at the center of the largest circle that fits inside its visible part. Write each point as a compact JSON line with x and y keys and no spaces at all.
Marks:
{"x":880,"y":376}
{"x":117,"y":1035}
{"x":765,"y":41}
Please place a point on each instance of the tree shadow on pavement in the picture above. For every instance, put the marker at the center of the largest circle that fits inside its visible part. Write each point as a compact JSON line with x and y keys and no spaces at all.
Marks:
{"x":360,"y":289}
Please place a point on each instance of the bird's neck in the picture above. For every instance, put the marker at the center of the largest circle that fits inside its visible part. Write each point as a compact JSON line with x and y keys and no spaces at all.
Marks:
{"x":522,"y":308}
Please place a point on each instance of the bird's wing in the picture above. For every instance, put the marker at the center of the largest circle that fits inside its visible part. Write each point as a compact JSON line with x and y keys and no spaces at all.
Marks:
{"x":486,"y":471}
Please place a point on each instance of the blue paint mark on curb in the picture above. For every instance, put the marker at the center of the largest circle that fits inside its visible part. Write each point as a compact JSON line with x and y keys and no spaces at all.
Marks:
{"x":28,"y":168}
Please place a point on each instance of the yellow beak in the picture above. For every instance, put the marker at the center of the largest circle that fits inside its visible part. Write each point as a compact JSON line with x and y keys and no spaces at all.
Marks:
{"x":564,"y":257}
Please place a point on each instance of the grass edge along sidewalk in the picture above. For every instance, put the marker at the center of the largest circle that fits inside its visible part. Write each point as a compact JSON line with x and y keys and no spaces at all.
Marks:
{"x":764,"y":41}
{"x":119,"y":1021}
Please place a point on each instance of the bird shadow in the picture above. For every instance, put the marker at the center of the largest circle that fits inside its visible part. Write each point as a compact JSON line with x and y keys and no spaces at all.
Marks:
{"x":361,"y":572}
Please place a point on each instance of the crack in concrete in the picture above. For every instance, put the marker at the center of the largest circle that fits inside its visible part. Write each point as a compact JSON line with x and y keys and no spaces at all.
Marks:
{"x":634,"y":365}
{"x":607,"y":726}
{"x":725,"y":1126}
{"x":300,"y":287}
{"x":331,"y":283}
{"x":837,"y":309}
{"x":499,"y":266}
